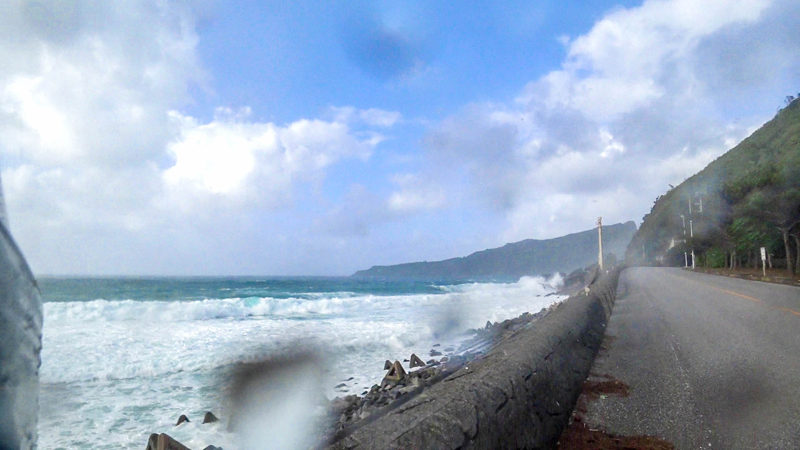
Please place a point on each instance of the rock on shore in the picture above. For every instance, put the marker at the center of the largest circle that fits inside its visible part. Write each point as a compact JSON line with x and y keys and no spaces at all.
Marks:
{"x":399,"y":385}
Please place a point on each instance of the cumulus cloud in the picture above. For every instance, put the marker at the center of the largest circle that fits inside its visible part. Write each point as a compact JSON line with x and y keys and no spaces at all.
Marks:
{"x":372,"y":116}
{"x":98,"y":151}
{"x":239,"y":158}
{"x":361,"y":210}
{"x":77,"y":90}
{"x":483,"y":145}
{"x":106,"y":165}
{"x":414,"y":195}
{"x":635,"y":105}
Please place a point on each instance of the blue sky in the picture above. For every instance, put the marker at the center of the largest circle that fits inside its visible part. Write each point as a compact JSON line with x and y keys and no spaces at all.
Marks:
{"x":294,"y":59}
{"x":291,"y":138}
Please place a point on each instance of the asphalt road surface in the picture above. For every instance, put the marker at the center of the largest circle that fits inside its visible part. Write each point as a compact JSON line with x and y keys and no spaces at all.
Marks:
{"x":710,"y":361}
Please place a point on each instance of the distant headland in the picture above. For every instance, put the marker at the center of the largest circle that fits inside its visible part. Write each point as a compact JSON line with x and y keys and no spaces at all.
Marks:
{"x":514,"y":260}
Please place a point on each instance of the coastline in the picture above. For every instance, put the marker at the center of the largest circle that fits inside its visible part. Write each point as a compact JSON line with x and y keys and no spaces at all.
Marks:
{"x":520,"y":392}
{"x":493,"y":349}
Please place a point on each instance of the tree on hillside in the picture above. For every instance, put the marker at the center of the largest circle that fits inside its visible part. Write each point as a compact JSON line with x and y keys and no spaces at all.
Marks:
{"x":779,"y":205}
{"x":796,"y":235}
{"x":747,"y":235}
{"x":751,"y":198}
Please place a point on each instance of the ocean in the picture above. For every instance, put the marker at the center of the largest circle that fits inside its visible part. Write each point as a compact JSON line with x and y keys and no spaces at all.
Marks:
{"x":125,"y":357}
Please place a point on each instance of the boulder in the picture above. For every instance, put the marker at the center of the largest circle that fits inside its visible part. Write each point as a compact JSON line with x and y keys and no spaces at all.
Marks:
{"x":342,"y":404}
{"x":164,"y":442}
{"x":182,"y":419}
{"x":209,"y":417}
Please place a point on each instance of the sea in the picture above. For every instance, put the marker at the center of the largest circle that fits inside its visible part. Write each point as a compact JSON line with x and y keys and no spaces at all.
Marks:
{"x":124,"y":357}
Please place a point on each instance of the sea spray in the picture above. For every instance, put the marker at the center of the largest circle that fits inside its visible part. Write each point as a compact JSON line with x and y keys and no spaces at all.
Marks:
{"x":117,"y":369}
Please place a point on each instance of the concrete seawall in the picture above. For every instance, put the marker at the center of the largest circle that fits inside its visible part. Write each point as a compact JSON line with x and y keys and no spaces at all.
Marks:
{"x":520,"y":394}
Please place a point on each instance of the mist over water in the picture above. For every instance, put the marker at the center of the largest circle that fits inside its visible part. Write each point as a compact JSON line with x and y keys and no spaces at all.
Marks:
{"x":124,"y":358}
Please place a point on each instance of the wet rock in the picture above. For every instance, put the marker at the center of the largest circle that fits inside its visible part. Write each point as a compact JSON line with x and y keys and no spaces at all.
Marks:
{"x":209,"y":417}
{"x":416,"y":361}
{"x":345,"y":407}
{"x":212,"y":447}
{"x":406,"y":390}
{"x":431,"y":361}
{"x":437,"y":345}
{"x":182,"y":419}
{"x":436,"y":353}
{"x":387,"y":365}
{"x":340,"y":385}
{"x":164,"y":442}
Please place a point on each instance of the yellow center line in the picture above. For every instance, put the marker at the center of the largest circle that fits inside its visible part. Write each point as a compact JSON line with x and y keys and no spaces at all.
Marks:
{"x":756,"y":300}
{"x":746,"y":297}
{"x":796,"y":313}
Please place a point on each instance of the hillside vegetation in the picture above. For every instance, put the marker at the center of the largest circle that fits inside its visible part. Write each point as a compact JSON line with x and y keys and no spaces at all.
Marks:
{"x":746,"y":199}
{"x":517,"y":259}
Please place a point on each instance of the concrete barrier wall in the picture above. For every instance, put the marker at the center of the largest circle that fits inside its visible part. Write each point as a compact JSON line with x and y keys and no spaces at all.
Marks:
{"x":520,"y":394}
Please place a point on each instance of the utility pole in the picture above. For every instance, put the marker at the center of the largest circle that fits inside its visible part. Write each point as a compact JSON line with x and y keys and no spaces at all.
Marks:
{"x":691,"y":235}
{"x":685,"y":256}
{"x":600,"y":242}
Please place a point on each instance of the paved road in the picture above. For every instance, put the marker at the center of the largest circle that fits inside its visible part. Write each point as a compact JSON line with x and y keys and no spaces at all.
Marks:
{"x":711,"y":362}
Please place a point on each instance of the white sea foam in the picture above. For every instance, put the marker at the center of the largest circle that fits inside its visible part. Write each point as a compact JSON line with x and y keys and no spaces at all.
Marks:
{"x":122,"y":369}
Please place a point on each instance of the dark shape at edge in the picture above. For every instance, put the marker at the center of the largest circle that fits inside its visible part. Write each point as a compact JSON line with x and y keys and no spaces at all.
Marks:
{"x":20,"y":346}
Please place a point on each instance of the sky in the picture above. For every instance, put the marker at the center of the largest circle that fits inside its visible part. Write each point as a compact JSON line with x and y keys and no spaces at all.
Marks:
{"x":318,"y":138}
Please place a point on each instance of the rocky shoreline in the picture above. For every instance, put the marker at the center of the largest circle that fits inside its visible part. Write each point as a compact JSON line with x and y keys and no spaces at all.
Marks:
{"x":407,"y":380}
{"x":400,"y":385}
{"x":402,"y":382}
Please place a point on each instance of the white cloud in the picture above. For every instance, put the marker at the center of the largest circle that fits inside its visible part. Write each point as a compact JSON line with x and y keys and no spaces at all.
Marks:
{"x":99,"y":155}
{"x":414,"y":195}
{"x":105,"y":165}
{"x":632,"y":57}
{"x":91,"y":84}
{"x":372,"y":116}
{"x":234,"y":156}
{"x":633,"y":107}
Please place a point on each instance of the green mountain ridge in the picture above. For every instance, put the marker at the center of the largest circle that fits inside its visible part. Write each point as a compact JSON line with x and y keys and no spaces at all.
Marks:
{"x":516,"y":259}
{"x":746,"y":199}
